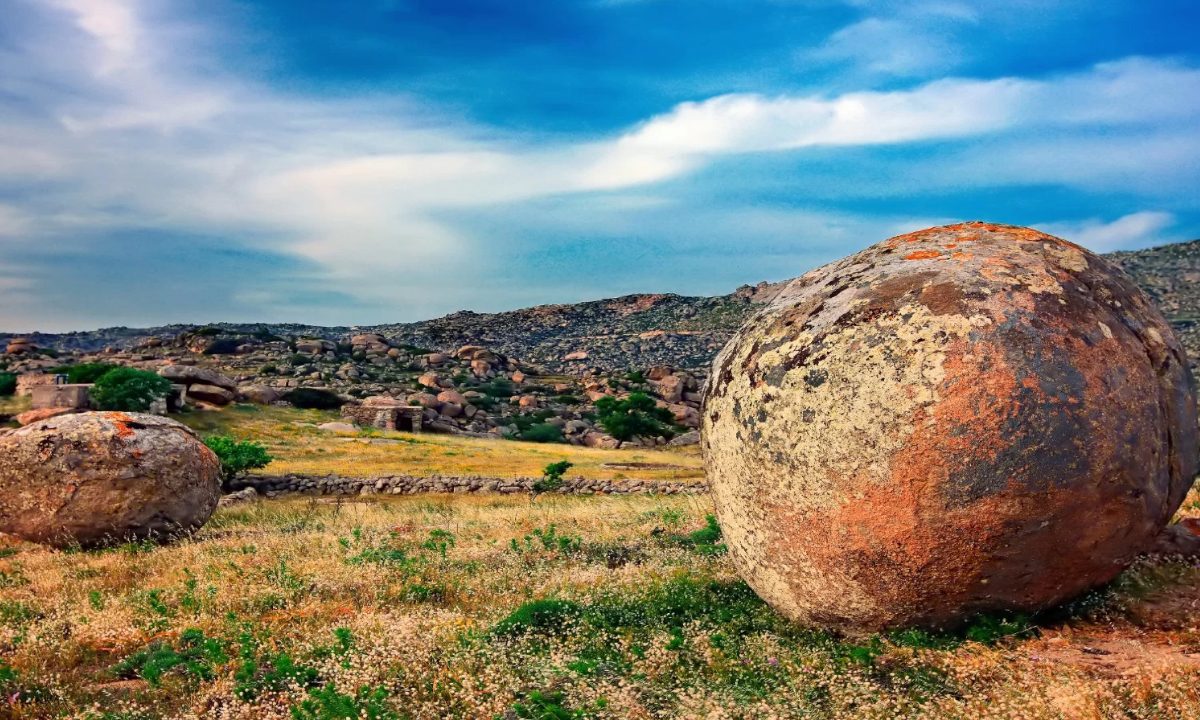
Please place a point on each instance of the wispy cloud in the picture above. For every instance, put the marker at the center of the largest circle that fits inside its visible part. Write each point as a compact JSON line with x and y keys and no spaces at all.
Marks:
{"x":1131,"y":231}
{"x":124,"y":123}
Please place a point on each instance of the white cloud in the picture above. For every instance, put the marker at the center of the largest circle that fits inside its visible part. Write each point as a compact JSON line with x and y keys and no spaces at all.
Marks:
{"x":888,"y":46}
{"x":132,"y":129}
{"x":13,"y":221}
{"x":1128,"y":232}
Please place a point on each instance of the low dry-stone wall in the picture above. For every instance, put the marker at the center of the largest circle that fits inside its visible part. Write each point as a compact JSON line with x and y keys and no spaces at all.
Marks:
{"x":408,"y":485}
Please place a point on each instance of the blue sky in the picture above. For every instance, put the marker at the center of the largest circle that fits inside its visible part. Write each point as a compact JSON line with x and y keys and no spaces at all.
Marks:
{"x":354,"y":163}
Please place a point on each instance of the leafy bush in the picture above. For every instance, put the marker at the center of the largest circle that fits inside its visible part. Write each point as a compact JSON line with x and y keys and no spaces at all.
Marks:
{"x":538,"y":616}
{"x":543,"y":433}
{"x":8,"y":384}
{"x":237,"y":457}
{"x":634,"y":416}
{"x":129,"y":389}
{"x":498,"y":388}
{"x":85,"y":373}
{"x":314,"y":399}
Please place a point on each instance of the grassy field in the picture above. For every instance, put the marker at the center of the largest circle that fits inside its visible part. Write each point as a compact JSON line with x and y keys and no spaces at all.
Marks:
{"x":570,"y":607}
{"x":298,"y":446}
{"x":11,"y":405}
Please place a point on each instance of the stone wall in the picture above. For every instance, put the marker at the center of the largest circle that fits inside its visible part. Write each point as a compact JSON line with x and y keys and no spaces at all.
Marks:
{"x":408,"y":485}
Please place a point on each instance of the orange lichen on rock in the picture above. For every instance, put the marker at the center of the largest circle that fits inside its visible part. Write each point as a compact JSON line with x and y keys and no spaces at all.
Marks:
{"x":923,"y":255}
{"x":893,"y":444}
{"x":120,"y":423}
{"x":94,"y":478}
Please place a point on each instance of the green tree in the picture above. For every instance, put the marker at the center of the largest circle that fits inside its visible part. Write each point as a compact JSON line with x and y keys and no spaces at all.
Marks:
{"x":128,"y":389}
{"x":552,"y":477}
{"x":634,"y":416}
{"x":237,"y":457}
{"x":8,"y":384}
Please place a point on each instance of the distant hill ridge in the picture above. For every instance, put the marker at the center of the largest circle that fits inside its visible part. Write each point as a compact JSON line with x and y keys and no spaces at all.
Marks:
{"x":638,"y":331}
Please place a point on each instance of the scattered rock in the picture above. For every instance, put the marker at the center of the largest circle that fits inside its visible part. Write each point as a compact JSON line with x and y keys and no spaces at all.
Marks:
{"x":337,"y":427}
{"x":191,"y":375}
{"x":209,"y":394}
{"x":688,"y":438}
{"x":245,"y":495}
{"x":1182,"y":538}
{"x":95,"y":478}
{"x":261,"y":394}
{"x":963,"y":419}
{"x":31,"y":416}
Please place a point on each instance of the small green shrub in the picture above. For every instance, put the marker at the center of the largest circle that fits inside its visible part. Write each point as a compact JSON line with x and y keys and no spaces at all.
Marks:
{"x":257,"y":676}
{"x":552,"y":477}
{"x":194,"y":656}
{"x":538,"y":616}
{"x":128,"y":390}
{"x":498,"y":388}
{"x":8,"y":384}
{"x":326,"y":703}
{"x":705,"y":541}
{"x":552,"y":705}
{"x":314,"y":399}
{"x":634,"y":416}
{"x":237,"y":457}
{"x":439,"y":541}
{"x":549,"y":539}
{"x":542,"y":433}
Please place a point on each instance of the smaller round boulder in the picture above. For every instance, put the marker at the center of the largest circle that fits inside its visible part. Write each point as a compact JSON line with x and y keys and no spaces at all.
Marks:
{"x":102,"y":477}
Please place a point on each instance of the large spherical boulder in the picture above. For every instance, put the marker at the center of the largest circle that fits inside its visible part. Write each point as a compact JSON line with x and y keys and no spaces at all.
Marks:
{"x":100,"y":477}
{"x":967,"y":418}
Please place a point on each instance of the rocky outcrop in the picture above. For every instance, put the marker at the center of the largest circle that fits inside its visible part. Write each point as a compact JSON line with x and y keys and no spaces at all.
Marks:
{"x":963,"y":419}
{"x":203,"y":385}
{"x":20,"y":346}
{"x":103,"y":477}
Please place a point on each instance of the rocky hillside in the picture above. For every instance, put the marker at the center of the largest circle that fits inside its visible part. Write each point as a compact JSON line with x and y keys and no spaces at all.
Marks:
{"x":1170,"y":274}
{"x":635,"y":331}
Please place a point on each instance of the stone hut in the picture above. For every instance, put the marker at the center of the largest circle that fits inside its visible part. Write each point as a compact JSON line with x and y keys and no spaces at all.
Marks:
{"x":384,"y":412}
{"x":71,"y":396}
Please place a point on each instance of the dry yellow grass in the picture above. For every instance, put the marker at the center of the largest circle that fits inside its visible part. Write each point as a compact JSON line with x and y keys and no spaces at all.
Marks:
{"x":298,"y":446}
{"x":393,"y":606}
{"x":11,"y":405}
